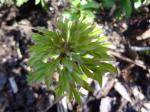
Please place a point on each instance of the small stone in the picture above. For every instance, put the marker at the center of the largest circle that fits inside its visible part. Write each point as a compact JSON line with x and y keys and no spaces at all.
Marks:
{"x":13,"y":84}
{"x":106,"y":104}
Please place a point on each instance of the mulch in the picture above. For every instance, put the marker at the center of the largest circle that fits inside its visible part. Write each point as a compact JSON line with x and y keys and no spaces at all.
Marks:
{"x":127,"y":91}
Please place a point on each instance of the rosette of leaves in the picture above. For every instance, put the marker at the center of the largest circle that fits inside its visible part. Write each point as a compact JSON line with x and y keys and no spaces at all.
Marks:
{"x":75,"y":51}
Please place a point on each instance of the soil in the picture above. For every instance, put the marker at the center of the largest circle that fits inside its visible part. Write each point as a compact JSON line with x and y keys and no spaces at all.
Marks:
{"x":15,"y":39}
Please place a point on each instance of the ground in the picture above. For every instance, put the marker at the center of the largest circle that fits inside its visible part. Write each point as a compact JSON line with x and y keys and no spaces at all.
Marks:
{"x":131,"y":40}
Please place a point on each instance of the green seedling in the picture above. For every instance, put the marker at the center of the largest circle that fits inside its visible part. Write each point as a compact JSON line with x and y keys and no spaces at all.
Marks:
{"x":75,"y":51}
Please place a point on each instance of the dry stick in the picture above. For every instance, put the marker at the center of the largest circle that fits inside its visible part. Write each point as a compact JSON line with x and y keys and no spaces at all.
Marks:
{"x":112,"y":10}
{"x":136,"y":48}
{"x":118,"y":55}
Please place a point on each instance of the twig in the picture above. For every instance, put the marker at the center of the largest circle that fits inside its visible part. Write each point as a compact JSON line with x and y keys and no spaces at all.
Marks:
{"x":112,"y":10}
{"x":135,"y":48}
{"x":118,"y":55}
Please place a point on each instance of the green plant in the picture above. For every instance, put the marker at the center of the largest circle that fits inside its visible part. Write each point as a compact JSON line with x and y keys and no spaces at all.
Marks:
{"x":75,"y":51}
{"x":80,"y":8}
{"x":124,"y":8}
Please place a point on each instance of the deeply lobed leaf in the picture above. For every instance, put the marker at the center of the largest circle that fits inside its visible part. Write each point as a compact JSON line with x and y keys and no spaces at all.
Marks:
{"x":75,"y":51}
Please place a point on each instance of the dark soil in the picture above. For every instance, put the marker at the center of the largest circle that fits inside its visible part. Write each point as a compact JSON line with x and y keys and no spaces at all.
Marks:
{"x":15,"y":39}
